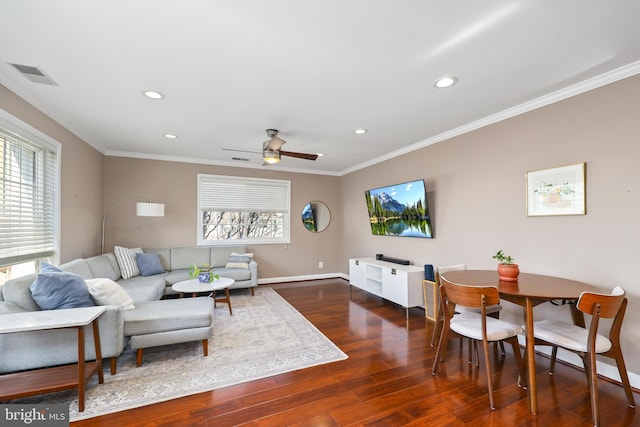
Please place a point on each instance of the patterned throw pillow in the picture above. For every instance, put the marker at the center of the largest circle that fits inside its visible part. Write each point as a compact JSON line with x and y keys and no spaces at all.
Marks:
{"x":127,"y":261}
{"x":237,"y":260}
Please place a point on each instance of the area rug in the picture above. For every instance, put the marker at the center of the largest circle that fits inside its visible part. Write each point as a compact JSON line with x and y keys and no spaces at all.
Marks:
{"x":265,"y":336}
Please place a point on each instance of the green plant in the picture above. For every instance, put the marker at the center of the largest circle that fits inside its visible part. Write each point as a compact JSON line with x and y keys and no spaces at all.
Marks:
{"x":194,"y":272}
{"x":502,"y":258}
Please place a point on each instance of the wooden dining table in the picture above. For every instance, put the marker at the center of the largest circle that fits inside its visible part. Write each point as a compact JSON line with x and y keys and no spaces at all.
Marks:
{"x":528,"y":291}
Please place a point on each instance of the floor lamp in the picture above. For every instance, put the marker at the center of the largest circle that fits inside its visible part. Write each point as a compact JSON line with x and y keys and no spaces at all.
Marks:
{"x":142,"y":209}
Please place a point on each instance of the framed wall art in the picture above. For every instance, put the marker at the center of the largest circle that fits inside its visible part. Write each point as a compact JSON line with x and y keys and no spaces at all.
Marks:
{"x":557,"y":191}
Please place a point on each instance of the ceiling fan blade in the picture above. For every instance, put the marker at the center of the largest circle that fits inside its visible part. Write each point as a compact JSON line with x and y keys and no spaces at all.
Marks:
{"x":299,"y":155}
{"x":273,"y":144}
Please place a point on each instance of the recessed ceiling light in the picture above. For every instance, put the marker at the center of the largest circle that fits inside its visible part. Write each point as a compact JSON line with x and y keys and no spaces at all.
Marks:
{"x":360,"y":131}
{"x":170,"y":136}
{"x":153,"y":94}
{"x":445,"y":82}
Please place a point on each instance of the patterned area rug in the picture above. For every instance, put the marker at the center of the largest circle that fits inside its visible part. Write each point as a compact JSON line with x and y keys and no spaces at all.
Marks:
{"x":265,"y":336}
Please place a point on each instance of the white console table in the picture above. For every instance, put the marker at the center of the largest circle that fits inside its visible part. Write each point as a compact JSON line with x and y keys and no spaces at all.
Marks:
{"x":401,"y":284}
{"x":29,"y":383}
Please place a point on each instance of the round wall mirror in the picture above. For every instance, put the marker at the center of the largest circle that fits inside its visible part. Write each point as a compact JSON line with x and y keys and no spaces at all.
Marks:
{"x":316,"y":216}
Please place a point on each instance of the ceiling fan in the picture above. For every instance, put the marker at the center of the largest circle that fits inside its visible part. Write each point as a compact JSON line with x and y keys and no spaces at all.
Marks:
{"x":271,"y":151}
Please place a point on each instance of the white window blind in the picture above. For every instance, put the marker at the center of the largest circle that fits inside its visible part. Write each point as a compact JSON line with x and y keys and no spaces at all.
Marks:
{"x":244,"y":194}
{"x":28,"y":186}
{"x":238,"y":208}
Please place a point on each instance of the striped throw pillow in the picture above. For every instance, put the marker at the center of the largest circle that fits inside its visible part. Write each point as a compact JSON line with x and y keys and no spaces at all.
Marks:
{"x":127,"y":261}
{"x":237,"y":260}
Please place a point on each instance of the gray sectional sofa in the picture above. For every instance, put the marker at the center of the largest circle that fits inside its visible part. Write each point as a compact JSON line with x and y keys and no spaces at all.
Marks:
{"x":144,"y":326}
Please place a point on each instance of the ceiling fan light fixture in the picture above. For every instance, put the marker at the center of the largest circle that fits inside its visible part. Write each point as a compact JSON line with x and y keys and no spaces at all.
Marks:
{"x":271,"y":156}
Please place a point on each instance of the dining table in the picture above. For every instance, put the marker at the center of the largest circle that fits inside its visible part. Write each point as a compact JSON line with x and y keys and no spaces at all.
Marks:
{"x":528,"y":291}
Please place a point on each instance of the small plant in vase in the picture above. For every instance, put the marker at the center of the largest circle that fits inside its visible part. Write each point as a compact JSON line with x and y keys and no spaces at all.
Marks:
{"x":507,"y":269}
{"x":204,"y":274}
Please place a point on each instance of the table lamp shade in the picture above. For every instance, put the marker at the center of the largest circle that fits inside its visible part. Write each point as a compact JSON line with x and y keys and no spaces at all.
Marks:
{"x":149,"y":209}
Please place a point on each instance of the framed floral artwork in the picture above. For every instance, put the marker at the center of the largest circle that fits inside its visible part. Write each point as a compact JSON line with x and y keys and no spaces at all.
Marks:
{"x":557,"y":191}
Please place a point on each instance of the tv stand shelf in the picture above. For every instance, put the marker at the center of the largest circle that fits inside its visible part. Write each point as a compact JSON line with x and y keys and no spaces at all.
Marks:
{"x":401,"y":284}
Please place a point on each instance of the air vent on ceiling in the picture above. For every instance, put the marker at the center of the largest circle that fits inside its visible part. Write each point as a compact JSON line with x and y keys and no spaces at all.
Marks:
{"x":35,"y":74}
{"x":240,"y":159}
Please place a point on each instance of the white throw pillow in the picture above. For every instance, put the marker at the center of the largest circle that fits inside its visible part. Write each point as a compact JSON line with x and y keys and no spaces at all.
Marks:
{"x":237,"y":260}
{"x":127,"y":261}
{"x":107,"y":292}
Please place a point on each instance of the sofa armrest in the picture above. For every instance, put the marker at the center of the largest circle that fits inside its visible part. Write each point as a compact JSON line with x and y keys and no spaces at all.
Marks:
{"x":253,"y":268}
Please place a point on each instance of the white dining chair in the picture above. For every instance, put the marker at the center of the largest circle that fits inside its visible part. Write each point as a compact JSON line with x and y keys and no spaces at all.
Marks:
{"x":493,"y":310}
{"x":586,"y":343}
{"x":477,"y":326}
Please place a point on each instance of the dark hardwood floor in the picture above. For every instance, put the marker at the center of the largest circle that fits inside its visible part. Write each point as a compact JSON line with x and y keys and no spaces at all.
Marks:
{"x":386,"y":381}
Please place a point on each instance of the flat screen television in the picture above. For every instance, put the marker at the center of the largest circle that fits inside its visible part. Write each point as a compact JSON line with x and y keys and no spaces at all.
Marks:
{"x":400,"y":210}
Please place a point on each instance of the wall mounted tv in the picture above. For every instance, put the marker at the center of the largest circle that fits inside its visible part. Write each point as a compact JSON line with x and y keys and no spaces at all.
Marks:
{"x":400,"y":210}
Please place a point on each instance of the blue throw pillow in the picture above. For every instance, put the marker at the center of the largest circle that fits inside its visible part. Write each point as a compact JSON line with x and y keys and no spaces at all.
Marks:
{"x":53,"y":290}
{"x":149,"y":263}
{"x":48,"y":268}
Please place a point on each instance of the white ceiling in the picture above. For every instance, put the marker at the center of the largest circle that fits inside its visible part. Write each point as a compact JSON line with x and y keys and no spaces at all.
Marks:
{"x":315,"y":70}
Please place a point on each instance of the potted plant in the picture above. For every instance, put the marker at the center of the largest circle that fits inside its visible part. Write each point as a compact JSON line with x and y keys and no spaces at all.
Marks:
{"x":204,"y":274}
{"x":507,"y":269}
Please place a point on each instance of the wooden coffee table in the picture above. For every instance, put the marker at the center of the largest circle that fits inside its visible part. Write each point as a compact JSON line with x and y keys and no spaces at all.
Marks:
{"x":194,"y":286}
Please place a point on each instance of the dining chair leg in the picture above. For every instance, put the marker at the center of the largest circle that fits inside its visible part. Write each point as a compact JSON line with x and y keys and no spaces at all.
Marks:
{"x":622,"y":370}
{"x":437,"y":324}
{"x":590,"y":363}
{"x":487,"y":363}
{"x":515,"y":345}
{"x":440,"y":351}
{"x":552,"y":364}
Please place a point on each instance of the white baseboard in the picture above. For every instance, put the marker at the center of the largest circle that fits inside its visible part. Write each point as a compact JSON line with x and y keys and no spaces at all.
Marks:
{"x":271,"y":280}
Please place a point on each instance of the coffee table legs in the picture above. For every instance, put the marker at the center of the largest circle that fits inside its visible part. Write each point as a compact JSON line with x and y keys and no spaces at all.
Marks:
{"x":226,"y":299}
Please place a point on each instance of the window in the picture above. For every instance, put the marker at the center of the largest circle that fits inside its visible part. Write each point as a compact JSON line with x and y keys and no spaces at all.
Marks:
{"x":234,"y":210}
{"x":28,"y":197}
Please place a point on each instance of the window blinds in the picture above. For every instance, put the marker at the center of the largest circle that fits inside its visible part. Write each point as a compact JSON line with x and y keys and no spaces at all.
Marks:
{"x":27,"y":195}
{"x":223,"y":193}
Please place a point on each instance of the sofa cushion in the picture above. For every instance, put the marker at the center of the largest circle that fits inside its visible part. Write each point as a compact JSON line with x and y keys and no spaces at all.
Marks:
{"x":164,"y":254}
{"x":107,"y":292}
{"x":176,"y":276}
{"x":142,"y":289}
{"x":54,"y":290}
{"x":78,"y":266}
{"x":149,"y":264}
{"x":186,"y":257}
{"x":237,"y":274}
{"x":168,"y":315}
{"x":237,"y":260}
{"x":16,"y":291}
{"x":103,"y":266}
{"x":127,"y":261}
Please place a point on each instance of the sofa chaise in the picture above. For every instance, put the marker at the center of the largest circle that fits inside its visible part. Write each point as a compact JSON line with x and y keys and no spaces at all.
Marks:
{"x":150,"y":323}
